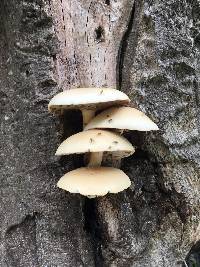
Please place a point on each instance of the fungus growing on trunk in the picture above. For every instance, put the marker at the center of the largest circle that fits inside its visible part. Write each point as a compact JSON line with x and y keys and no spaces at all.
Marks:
{"x":96,"y":142}
{"x":124,"y":118}
{"x":94,"y":181}
{"x":88,"y":100}
{"x":121,"y":118}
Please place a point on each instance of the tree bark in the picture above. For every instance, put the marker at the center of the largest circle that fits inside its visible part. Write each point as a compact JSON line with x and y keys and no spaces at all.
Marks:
{"x":149,"y":50}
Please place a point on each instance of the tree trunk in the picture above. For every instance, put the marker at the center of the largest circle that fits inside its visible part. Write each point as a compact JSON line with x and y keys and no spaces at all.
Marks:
{"x":149,"y":50}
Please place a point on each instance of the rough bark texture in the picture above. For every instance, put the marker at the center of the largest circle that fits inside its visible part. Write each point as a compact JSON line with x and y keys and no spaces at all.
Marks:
{"x":48,"y":46}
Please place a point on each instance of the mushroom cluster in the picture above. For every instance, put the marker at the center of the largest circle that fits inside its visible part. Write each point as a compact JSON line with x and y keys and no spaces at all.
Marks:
{"x":101,"y":134}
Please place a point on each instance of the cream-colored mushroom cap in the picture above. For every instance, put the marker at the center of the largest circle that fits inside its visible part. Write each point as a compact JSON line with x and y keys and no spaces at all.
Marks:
{"x":94,"y":181}
{"x":96,"y":141}
{"x":122,"y":118}
{"x":87,"y":98}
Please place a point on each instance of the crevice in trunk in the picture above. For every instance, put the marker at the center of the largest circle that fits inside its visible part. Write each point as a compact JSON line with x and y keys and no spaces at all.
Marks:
{"x":123,"y":46}
{"x":70,"y":123}
{"x":93,"y":229}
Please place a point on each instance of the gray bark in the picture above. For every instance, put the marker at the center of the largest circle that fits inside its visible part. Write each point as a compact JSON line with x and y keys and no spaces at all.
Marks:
{"x":154,"y":48}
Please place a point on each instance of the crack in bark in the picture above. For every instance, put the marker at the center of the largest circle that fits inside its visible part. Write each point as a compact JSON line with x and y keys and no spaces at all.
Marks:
{"x":93,"y":229}
{"x":123,"y":46}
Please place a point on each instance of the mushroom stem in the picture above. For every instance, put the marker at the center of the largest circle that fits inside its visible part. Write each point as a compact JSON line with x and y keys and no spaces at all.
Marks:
{"x":87,"y":114}
{"x":95,"y":159}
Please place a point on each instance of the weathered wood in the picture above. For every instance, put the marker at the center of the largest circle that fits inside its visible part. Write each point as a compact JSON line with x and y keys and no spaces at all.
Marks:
{"x":89,"y":34}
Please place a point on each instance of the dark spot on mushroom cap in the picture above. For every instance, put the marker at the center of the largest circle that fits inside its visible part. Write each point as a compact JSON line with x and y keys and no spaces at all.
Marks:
{"x":99,"y":134}
{"x":109,"y":147}
{"x":110,"y":120}
{"x":115,"y":142}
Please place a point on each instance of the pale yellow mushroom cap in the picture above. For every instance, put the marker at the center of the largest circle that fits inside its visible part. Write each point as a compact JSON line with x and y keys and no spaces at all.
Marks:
{"x":96,"y":141}
{"x":94,"y":181}
{"x":87,"y":98}
{"x":126,"y":118}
